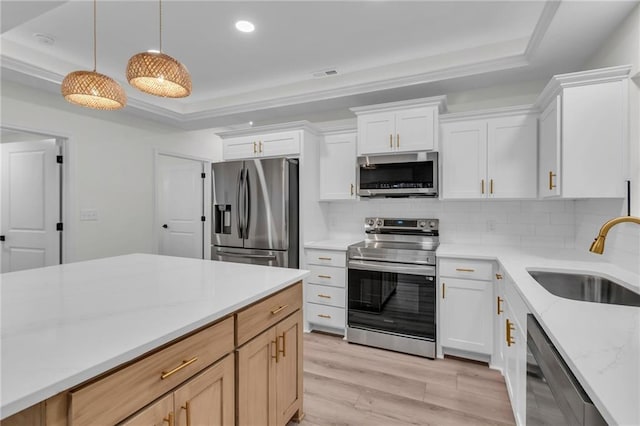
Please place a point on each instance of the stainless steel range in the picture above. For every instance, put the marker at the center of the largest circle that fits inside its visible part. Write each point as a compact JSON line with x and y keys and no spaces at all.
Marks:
{"x":392,"y":286}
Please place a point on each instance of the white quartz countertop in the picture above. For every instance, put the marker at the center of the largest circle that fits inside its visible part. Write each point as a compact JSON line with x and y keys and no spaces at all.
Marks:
{"x":62,"y":325}
{"x":599,"y":342}
{"x":332,"y":244}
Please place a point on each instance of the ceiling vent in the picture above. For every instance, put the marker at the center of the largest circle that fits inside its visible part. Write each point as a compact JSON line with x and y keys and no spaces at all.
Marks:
{"x":325,"y":73}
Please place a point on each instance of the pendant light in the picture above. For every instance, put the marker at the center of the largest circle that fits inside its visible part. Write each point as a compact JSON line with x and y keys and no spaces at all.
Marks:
{"x":90,"y":88}
{"x":159,"y":74}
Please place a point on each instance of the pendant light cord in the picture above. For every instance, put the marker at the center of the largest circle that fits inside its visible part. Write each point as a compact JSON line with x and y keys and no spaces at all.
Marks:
{"x":95,"y":48}
{"x":160,"y":9}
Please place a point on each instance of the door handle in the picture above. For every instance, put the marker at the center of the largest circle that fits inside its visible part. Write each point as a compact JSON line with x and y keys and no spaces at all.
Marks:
{"x":2,"y":238}
{"x":398,"y":140}
{"x":165,"y":226}
{"x":247,"y":204}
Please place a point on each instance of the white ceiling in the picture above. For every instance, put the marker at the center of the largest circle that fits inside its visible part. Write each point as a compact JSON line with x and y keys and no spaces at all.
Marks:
{"x":382,"y":50}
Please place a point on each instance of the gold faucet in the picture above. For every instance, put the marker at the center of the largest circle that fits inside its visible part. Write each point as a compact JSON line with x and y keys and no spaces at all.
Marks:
{"x":598,"y":244}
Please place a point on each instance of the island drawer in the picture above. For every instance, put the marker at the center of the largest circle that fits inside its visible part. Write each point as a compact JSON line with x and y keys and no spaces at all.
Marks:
{"x":324,"y":295}
{"x":465,"y":268}
{"x":327,"y":316}
{"x":326,"y":257}
{"x":121,"y":393}
{"x":327,"y":275}
{"x":255,"y":319}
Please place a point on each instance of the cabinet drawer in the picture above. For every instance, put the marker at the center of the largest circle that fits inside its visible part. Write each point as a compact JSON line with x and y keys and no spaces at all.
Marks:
{"x":327,"y":275}
{"x":327,"y":316}
{"x":262,"y":315}
{"x":118,"y":395}
{"x":324,"y":295}
{"x":326,"y":257}
{"x":463,"y":268}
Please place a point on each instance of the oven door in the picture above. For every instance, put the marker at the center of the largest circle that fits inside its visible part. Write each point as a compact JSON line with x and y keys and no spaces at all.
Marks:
{"x":392,"y":297}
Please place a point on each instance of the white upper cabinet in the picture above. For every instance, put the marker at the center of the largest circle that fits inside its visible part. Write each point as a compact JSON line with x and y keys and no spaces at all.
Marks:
{"x":410,"y":126}
{"x":584,"y":134}
{"x":281,"y":144}
{"x":490,"y":156}
{"x":338,"y":167}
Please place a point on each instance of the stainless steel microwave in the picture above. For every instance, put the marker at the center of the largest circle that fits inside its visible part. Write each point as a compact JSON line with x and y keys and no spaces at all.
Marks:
{"x":400,"y":179}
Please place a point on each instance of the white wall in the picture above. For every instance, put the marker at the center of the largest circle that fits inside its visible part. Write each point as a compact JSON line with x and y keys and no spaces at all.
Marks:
{"x":110,"y":160}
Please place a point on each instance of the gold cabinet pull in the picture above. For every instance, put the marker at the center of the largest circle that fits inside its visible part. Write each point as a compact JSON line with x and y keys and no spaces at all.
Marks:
{"x":184,"y":364}
{"x":551,"y":176}
{"x":498,"y":276}
{"x":351,"y":189}
{"x":325,"y":276}
{"x":187,"y":408}
{"x":255,"y":148}
{"x":482,"y":185}
{"x":283,"y":351}
{"x":500,"y":300}
{"x":510,"y":328}
{"x":390,"y":140}
{"x":260,"y":147}
{"x":491,"y":186}
{"x":278,"y":309}
{"x":465,"y":270}
{"x":170,"y":419}
{"x":274,"y":344}
{"x":443,"y":290}
{"x":324,"y":258}
{"x":324,"y":316}
{"x":324,"y":296}
{"x":398,"y":140}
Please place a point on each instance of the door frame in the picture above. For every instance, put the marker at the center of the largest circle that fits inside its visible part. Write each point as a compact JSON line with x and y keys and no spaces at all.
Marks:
{"x":66,"y":148}
{"x":206,"y":199}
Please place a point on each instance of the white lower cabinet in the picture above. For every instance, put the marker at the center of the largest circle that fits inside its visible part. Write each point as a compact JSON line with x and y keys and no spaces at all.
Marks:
{"x":325,"y":290}
{"x":466,"y":321}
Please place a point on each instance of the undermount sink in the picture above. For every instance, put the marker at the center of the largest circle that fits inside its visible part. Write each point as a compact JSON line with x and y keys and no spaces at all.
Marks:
{"x":585,"y":287}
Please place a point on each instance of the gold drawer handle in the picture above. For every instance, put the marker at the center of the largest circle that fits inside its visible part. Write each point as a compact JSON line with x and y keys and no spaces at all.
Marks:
{"x":324,"y":276}
{"x":255,"y":148}
{"x":169,"y":419}
{"x":510,"y":328}
{"x":324,"y":258}
{"x":324,"y":296}
{"x":500,"y":300}
{"x":187,"y":407}
{"x":491,"y":186}
{"x":184,"y":364}
{"x":482,"y":186}
{"x":390,"y":140}
{"x":352,"y":189}
{"x":551,"y":176}
{"x":276,"y":310}
{"x":324,"y":316}
{"x":465,"y":270}
{"x":498,"y":276}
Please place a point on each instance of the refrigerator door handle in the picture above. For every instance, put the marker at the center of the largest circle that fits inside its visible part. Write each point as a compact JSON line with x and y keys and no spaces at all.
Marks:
{"x":239,"y":190}
{"x":247,"y":203}
{"x":247,"y":256}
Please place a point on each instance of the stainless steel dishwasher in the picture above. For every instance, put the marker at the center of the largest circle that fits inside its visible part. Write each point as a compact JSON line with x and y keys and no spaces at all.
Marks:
{"x":554,"y":396}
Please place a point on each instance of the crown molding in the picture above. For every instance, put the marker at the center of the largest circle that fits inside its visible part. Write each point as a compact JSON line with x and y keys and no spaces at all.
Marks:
{"x":488,"y":113}
{"x":439,"y":101}
{"x":271,"y":128}
{"x":582,"y":78}
{"x":546,"y":17}
{"x":349,"y":125}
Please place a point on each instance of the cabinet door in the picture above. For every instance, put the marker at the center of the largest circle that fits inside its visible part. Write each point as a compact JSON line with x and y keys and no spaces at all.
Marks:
{"x":288,"y":368}
{"x":376,"y":133}
{"x":338,"y":167}
{"x":279,"y":144}
{"x":464,"y":160}
{"x":239,"y":148}
{"x":549,"y":178}
{"x":257,"y":380}
{"x":160,"y":413}
{"x":416,"y":129}
{"x":208,"y":399}
{"x":515,"y":359}
{"x":498,"y":320}
{"x":466,"y":319}
{"x":512,"y":157}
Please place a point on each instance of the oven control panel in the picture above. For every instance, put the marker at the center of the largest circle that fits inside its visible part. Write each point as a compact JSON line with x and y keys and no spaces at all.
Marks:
{"x":391,"y":225}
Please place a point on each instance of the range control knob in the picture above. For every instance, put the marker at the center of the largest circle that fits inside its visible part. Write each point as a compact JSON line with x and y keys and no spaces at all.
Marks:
{"x":370,"y":222}
{"x":379,"y":222}
{"x":432,"y":224}
{"x":422,"y":224}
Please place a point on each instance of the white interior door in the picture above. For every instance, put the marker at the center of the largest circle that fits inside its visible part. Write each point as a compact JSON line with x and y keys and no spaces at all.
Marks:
{"x":180,"y":195}
{"x":30,"y":205}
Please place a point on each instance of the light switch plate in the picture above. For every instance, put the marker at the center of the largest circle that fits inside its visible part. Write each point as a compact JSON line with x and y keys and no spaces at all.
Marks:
{"x":88,"y":214}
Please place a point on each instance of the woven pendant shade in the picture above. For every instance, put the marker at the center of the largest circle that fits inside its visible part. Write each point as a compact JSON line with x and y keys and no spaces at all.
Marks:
{"x":93,"y":90}
{"x":159,"y":74}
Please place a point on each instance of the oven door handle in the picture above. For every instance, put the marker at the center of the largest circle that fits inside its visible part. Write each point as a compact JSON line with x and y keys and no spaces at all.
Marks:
{"x":400,"y":268}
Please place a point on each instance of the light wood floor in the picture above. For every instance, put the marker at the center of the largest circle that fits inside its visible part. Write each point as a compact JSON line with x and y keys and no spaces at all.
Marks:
{"x":348,"y":384}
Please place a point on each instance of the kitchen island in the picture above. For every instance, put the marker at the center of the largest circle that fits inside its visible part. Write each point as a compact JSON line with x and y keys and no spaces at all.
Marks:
{"x":80,"y":336}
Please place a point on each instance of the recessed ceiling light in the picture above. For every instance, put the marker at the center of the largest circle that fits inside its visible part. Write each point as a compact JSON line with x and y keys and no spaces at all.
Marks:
{"x":245,"y":26}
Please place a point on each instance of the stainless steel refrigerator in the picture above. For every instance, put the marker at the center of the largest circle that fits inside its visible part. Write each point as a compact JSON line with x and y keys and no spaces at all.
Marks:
{"x":255,"y":211}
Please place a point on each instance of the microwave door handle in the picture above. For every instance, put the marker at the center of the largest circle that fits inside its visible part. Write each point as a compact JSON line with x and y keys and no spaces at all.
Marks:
{"x":238,"y":200}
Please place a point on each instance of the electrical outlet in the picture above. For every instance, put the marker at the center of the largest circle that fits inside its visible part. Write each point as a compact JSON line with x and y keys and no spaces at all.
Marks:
{"x":491,"y":225}
{"x":88,"y":214}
